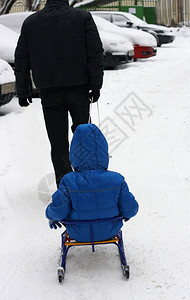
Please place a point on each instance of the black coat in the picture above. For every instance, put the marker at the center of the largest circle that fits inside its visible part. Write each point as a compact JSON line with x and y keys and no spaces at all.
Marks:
{"x":61,"y":46}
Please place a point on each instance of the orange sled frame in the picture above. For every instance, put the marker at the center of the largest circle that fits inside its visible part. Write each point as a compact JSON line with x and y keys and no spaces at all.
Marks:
{"x":67,"y":242}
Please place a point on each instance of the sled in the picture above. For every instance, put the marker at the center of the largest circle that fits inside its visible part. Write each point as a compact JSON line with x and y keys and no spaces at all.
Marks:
{"x":67,"y":242}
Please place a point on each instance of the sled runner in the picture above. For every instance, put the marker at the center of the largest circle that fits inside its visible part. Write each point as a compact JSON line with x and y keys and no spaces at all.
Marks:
{"x":67,"y":242}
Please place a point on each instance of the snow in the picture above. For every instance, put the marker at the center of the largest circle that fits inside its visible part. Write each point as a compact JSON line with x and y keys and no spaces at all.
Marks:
{"x":8,"y":42}
{"x":114,"y":43}
{"x":14,"y":20}
{"x":153,"y":157}
{"x":6,"y":73}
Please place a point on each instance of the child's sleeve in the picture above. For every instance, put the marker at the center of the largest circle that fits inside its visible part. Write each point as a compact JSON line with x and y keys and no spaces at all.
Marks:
{"x":60,"y":208}
{"x":128,"y":206}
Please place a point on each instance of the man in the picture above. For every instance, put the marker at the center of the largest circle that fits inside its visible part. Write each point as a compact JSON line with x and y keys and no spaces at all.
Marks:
{"x":62,"y":48}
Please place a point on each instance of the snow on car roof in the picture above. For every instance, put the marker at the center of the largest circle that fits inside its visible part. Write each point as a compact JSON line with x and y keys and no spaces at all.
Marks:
{"x":8,"y":42}
{"x":114,"y":42}
{"x":14,"y":21}
{"x":134,"y":36}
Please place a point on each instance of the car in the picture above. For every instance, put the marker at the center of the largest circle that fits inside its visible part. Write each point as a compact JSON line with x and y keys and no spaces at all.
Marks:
{"x":7,"y":83}
{"x":117,"y":50}
{"x":144,"y":43}
{"x":163,"y":34}
{"x":14,"y":21}
{"x":8,"y":42}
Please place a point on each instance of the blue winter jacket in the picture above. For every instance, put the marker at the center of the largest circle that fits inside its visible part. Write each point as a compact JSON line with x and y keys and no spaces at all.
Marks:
{"x":91,"y":192}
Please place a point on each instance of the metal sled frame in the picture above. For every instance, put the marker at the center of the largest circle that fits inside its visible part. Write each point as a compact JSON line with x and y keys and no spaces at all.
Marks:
{"x":67,"y":242}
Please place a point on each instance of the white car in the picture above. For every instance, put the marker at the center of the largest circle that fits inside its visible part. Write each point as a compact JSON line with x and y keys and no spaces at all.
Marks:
{"x":7,"y":82}
{"x":144,"y":44}
{"x":14,"y":21}
{"x":8,"y":42}
{"x":163,"y":34}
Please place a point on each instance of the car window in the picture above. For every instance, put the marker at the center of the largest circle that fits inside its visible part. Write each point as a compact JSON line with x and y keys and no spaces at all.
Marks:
{"x":120,"y":20}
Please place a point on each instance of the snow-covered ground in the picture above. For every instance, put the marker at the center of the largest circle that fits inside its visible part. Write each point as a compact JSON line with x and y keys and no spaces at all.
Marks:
{"x":146,"y":107}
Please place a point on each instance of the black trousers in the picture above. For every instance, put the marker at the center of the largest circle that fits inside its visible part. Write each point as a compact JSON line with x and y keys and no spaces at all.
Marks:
{"x":56,"y":106}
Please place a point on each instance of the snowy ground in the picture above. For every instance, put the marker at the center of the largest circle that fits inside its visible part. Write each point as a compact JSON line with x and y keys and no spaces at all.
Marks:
{"x":151,"y":150}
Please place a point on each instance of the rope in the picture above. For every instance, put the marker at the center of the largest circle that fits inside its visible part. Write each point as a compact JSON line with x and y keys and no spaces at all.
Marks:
{"x":90,"y":111}
{"x":98,"y":114}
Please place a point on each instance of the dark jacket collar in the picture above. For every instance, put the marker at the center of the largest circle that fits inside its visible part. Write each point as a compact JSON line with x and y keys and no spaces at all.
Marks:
{"x":57,"y":3}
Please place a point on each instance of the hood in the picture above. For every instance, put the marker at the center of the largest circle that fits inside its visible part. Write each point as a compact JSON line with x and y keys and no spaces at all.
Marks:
{"x":89,"y":148}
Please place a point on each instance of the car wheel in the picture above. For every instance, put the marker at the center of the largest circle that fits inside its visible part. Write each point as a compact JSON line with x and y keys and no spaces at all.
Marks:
{"x":6,"y":98}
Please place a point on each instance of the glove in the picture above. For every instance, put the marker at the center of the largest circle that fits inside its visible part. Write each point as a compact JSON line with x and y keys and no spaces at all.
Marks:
{"x":94,"y":95}
{"x":54,"y":224}
{"x":24,"y":101}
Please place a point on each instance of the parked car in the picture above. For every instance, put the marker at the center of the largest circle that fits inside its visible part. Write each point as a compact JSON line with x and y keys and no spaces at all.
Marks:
{"x":144,"y":43}
{"x":7,"y":82}
{"x":8,"y":42}
{"x":163,"y":34}
{"x":117,"y":50}
{"x":14,"y":21}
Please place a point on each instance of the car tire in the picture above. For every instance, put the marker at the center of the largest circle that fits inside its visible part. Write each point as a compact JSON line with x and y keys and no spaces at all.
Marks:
{"x":6,"y":98}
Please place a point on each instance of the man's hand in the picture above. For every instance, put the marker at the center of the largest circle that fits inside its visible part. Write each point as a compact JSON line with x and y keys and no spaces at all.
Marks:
{"x":54,"y":224}
{"x":25,"y":101}
{"x":94,"y":95}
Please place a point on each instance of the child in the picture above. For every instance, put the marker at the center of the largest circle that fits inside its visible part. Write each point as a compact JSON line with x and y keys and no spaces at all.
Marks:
{"x":91,"y":192}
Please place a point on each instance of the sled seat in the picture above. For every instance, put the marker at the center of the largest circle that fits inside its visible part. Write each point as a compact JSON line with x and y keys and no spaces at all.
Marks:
{"x":70,"y":242}
{"x":67,"y":242}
